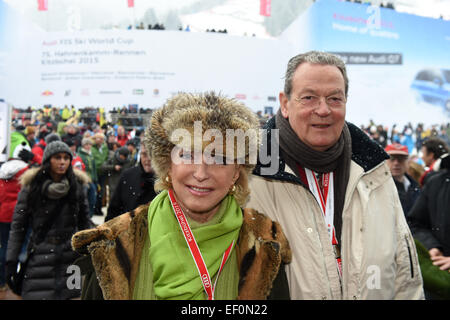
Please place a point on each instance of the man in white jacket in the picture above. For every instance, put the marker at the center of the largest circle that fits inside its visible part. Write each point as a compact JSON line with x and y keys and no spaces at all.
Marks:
{"x":330,"y":188}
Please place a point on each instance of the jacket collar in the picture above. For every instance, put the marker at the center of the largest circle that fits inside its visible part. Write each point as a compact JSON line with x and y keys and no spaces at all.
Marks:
{"x":365,"y":152}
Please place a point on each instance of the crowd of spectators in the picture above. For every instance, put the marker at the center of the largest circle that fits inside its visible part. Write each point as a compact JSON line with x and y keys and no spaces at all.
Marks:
{"x":106,"y":149}
{"x":141,"y":26}
{"x":383,"y":4}
{"x":410,"y":136}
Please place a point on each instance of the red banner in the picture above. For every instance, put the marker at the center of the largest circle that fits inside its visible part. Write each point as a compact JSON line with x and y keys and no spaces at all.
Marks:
{"x":130,"y":3}
{"x":264,"y":8}
{"x":42,"y":5}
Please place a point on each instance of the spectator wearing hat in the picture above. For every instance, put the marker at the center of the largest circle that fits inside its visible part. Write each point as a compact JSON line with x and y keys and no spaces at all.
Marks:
{"x":10,"y":173}
{"x":38,"y":149}
{"x":408,"y":189}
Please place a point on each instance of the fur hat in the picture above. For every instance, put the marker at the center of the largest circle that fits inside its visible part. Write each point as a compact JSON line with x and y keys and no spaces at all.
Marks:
{"x":56,"y":147}
{"x":215,"y":112}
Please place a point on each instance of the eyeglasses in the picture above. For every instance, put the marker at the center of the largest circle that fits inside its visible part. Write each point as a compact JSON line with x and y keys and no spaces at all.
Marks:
{"x":310,"y":101}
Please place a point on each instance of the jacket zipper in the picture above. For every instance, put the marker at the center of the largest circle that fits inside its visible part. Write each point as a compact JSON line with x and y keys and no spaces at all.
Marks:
{"x":410,"y":258}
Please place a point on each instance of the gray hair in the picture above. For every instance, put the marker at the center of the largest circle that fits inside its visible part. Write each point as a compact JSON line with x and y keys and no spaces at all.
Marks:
{"x":313,"y":57}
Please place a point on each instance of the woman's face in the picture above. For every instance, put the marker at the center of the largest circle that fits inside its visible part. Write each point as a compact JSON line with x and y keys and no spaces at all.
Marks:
{"x":200,"y":188}
{"x":59,"y":163}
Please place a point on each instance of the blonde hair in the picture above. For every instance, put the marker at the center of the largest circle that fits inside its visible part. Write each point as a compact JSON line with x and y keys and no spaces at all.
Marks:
{"x":415,"y":170}
{"x":182,"y":111}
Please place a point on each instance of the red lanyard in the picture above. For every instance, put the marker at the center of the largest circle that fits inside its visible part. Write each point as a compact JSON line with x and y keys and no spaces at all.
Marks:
{"x":195,"y":251}
{"x":326,"y":199}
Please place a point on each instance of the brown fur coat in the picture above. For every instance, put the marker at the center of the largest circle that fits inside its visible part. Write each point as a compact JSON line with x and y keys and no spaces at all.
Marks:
{"x":116,"y":247}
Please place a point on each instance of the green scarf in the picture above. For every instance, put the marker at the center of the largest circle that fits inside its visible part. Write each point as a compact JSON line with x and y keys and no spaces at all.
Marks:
{"x":174,"y":273}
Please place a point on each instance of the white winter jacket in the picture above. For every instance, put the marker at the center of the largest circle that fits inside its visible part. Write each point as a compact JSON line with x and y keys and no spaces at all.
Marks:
{"x":379,"y":259}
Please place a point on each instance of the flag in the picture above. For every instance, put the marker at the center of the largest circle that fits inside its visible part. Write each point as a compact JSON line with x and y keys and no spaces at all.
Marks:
{"x":42,"y":5}
{"x":264,"y":8}
{"x":130,"y":3}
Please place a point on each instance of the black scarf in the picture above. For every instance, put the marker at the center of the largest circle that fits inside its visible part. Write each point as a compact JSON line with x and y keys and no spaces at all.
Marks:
{"x":336,"y":159}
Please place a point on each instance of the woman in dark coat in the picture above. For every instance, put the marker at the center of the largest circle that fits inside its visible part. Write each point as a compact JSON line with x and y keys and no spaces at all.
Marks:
{"x":53,"y":203}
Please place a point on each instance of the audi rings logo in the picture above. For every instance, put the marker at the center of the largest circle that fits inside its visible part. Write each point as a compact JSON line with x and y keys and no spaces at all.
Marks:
{"x":205,"y":281}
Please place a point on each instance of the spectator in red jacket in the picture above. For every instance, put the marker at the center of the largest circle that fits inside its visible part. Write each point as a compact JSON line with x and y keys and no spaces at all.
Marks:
{"x":10,"y":173}
{"x":122,"y":136}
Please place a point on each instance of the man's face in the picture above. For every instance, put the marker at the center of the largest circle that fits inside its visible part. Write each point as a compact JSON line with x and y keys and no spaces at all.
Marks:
{"x":316,"y":108}
{"x":98,"y":141}
{"x":427,"y":157}
{"x":111,"y":139}
{"x":398,"y":165}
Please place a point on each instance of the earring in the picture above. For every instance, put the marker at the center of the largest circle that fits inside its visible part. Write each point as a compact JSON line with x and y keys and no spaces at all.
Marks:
{"x":167,"y":179}
{"x":232,"y":190}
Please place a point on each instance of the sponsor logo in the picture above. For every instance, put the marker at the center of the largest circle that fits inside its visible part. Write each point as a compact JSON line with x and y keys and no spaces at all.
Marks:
{"x":85,"y":92}
{"x":138,"y":91}
{"x":110,"y":92}
{"x":205,"y":280}
{"x":155,"y":92}
{"x":47,"y":93}
{"x":49,"y":43}
{"x":240,"y":96}
{"x":67,"y":93}
{"x":271,"y":98}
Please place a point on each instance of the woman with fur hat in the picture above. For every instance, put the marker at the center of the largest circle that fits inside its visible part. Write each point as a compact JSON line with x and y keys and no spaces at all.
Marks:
{"x":193,"y":240}
{"x":52,"y":202}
